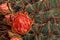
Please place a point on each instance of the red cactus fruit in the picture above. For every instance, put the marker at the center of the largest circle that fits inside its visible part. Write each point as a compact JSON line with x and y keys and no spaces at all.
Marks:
{"x":4,"y":8}
{"x":21,"y":23}
{"x":16,"y":38}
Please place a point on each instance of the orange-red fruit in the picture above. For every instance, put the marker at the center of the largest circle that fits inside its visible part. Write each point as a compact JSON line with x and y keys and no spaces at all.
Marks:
{"x":16,"y":38}
{"x":21,"y":23}
{"x":4,"y":8}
